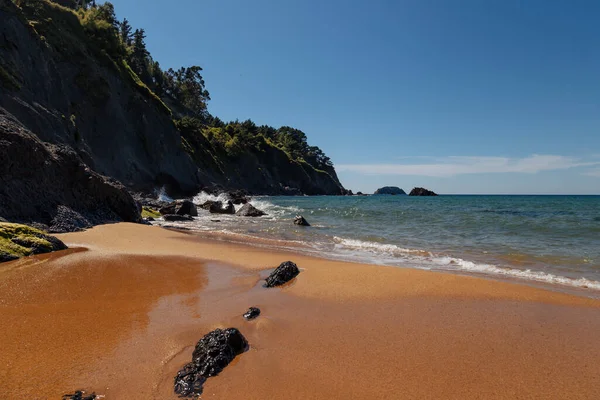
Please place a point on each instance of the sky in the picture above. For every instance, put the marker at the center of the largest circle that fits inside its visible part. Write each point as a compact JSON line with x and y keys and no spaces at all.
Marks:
{"x":459,"y":96}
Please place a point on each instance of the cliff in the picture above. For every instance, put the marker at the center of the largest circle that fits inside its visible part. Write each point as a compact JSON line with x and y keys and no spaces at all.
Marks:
{"x":65,"y":78}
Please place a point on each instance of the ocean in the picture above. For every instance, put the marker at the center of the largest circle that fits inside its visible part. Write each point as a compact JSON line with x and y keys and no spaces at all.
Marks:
{"x":545,"y":239}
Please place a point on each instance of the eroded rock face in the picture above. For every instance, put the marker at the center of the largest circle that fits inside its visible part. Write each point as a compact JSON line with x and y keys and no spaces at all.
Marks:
{"x":282,"y":274}
{"x":299,"y":220}
{"x":252,"y":313}
{"x":419,"y":191}
{"x":248,"y":210}
{"x":51,"y":186}
{"x":212,"y":354}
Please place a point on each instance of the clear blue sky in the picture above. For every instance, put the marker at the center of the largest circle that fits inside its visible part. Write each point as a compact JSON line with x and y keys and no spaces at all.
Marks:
{"x":461,"y":96}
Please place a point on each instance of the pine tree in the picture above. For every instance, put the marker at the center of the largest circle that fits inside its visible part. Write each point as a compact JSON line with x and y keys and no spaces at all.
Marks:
{"x":125,"y":32}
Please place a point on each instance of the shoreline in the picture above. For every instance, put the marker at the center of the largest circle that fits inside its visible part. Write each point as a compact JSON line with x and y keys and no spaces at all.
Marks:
{"x":122,"y":316}
{"x":294,"y":248}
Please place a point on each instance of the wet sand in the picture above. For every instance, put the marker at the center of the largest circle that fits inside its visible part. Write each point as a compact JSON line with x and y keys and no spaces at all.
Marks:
{"x":119,"y":314}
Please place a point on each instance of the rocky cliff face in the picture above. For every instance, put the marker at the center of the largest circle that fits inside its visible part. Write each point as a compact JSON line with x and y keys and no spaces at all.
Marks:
{"x":50,"y":186}
{"x":67,"y":91}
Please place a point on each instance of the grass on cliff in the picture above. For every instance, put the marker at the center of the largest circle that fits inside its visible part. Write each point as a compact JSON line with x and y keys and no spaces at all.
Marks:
{"x":18,"y":240}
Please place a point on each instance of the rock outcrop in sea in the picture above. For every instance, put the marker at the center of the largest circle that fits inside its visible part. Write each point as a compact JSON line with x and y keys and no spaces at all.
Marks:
{"x":300,"y":221}
{"x":393,"y":190}
{"x":419,"y":191}
{"x":248,"y":210}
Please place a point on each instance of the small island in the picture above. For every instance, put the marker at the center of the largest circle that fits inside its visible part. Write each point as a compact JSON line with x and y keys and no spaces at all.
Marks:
{"x":419,"y":191}
{"x":393,"y":190}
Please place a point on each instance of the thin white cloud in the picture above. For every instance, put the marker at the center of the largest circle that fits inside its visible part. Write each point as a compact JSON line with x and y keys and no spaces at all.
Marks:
{"x":459,"y":165}
{"x":593,"y":172}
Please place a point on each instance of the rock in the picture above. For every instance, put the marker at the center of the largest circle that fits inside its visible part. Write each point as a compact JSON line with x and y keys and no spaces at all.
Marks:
{"x":177,"y":217}
{"x":282,"y":274}
{"x":17,"y":240}
{"x":80,"y":395}
{"x":50,"y":185}
{"x":393,"y":190}
{"x":215,"y":220}
{"x":359,"y":193}
{"x":216,"y":207}
{"x":248,"y":210}
{"x":291,"y":191}
{"x":419,"y":191}
{"x":180,"y":207}
{"x":212,"y":354}
{"x":299,"y":220}
{"x":238,"y":197}
{"x":252,"y":313}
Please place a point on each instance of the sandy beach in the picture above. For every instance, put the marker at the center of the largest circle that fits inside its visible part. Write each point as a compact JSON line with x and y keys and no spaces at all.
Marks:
{"x":120,"y":312}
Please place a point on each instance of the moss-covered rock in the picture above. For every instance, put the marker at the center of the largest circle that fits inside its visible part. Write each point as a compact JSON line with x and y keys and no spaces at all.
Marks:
{"x":150,"y":212}
{"x":18,"y":240}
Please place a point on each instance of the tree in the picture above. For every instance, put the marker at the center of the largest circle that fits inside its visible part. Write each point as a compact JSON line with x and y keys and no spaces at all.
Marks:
{"x":106,"y":12}
{"x":186,"y":85}
{"x":125,"y":32}
{"x":139,"y":55}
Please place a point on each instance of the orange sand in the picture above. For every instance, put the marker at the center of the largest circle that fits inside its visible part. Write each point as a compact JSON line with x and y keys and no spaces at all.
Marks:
{"x":122,"y":317}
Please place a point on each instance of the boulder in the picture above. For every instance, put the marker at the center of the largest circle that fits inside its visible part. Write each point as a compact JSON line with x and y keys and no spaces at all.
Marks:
{"x":80,"y":395}
{"x":177,"y":217}
{"x":180,"y":207}
{"x":419,"y":191}
{"x":238,"y":197}
{"x":282,"y":274}
{"x":17,"y":240}
{"x":212,"y":354}
{"x":216,"y":207}
{"x":299,"y":220}
{"x":248,"y":210}
{"x":252,"y":313}
{"x":393,"y":190}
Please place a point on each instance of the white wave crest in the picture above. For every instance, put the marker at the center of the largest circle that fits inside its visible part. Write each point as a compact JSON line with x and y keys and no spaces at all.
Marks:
{"x":203,"y":197}
{"x":375,"y":247}
{"x":452,"y":263}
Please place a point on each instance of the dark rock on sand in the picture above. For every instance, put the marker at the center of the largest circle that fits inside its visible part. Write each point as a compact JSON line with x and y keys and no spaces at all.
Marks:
{"x":248,"y":210}
{"x":419,"y":191}
{"x":180,"y":207}
{"x":212,"y":354}
{"x":393,"y":190}
{"x":216,"y":207}
{"x":80,"y":395}
{"x":282,"y":274}
{"x":299,"y":220}
{"x":177,"y":217}
{"x":252,"y":313}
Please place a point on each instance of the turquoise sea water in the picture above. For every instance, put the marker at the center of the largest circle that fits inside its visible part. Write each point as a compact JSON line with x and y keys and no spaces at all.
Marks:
{"x":550,"y":239}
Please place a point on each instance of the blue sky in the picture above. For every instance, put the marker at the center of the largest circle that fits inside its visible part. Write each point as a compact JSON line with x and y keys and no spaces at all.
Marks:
{"x":461,"y":96}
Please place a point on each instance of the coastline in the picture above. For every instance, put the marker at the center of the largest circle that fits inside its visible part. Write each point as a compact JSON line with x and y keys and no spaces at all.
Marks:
{"x":121,"y":317}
